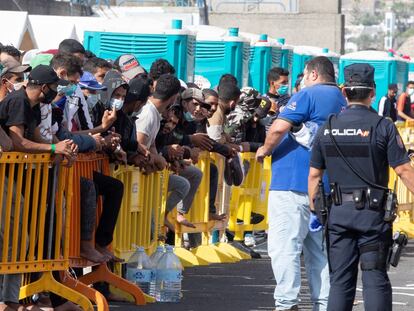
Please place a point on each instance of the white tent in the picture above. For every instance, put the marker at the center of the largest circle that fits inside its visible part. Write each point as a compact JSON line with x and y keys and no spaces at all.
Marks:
{"x":50,"y":30}
{"x":16,"y":30}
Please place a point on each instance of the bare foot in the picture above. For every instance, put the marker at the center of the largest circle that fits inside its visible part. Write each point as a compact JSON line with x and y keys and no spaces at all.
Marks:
{"x":68,"y":306}
{"x":183,"y":221}
{"x":213,"y":216}
{"x":106,"y":252}
{"x":88,"y":251}
{"x":11,"y":306}
{"x":33,"y":308}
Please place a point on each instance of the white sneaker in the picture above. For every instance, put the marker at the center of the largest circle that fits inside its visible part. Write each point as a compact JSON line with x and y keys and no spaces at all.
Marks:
{"x":249,"y":240}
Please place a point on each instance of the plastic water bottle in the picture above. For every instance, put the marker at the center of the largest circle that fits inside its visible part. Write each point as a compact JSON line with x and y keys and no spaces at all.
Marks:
{"x":139,"y":269}
{"x":154,"y":258}
{"x":169,"y":276}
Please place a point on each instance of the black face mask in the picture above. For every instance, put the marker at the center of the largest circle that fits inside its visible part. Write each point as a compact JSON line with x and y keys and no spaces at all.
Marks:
{"x":49,"y":96}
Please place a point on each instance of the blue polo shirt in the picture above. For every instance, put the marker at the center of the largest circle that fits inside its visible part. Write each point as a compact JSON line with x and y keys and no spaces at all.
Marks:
{"x":291,"y":161}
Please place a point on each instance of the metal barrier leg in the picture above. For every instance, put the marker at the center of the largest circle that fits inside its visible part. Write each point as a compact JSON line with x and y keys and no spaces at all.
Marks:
{"x":187,"y":258}
{"x":211,"y":253}
{"x":92,"y":294}
{"x":47,"y":283}
{"x":103,"y":274}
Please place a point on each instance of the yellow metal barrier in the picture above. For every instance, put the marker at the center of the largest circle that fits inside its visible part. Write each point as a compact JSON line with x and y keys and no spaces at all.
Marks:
{"x":85,"y":165}
{"x":223,"y":207}
{"x":29,"y":188}
{"x":141,"y":218}
{"x":405,"y":219}
{"x":142,"y":214}
{"x":199,"y":215}
{"x":250,"y":197}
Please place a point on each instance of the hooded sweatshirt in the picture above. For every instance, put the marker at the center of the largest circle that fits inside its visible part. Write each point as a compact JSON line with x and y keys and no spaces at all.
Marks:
{"x":113,"y":79}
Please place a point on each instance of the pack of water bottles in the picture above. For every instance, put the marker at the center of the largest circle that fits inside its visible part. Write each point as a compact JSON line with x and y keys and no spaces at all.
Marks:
{"x":159,"y":275}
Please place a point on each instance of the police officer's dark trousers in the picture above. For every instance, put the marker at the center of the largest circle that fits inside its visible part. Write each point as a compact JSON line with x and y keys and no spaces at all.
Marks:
{"x":358,"y":236}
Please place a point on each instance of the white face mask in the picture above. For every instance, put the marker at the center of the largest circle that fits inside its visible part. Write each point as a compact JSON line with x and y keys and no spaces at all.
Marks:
{"x":373,"y":99}
{"x":92,"y":100}
{"x":16,"y":86}
{"x":410,"y":92}
{"x":302,"y":84}
{"x":117,"y":103}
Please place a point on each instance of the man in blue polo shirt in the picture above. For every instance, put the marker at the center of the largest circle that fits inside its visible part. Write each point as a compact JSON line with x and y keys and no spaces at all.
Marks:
{"x":288,"y":196}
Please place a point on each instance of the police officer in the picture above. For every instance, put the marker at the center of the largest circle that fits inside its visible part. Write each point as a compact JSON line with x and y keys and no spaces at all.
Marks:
{"x":355,"y":148}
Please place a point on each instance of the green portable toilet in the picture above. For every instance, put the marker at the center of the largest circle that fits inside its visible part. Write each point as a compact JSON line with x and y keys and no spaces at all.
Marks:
{"x":388,"y":69}
{"x":265,"y":54}
{"x":174,"y":44}
{"x":220,"y":51}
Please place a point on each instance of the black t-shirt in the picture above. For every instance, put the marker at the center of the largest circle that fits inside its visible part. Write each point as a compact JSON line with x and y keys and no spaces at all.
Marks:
{"x":15,"y":110}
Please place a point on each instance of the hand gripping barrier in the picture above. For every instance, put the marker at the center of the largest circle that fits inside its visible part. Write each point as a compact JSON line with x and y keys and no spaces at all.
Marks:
{"x":141,"y":218}
{"x":85,"y":165}
{"x":250,"y":196}
{"x":199,"y":215}
{"x":36,"y":204}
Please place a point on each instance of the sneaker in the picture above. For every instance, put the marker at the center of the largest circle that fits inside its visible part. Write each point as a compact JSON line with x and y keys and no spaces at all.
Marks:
{"x":246,"y":249}
{"x":254,"y":219}
{"x":249,"y":240}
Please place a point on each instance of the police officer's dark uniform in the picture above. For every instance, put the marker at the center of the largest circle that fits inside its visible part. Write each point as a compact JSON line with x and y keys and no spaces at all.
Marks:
{"x":356,"y":228}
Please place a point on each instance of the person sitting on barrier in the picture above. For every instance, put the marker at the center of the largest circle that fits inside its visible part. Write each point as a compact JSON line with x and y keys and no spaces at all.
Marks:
{"x":20,"y":114}
{"x":148,"y":125}
{"x":158,"y":68}
{"x":12,"y":76}
{"x":137,"y":96}
{"x":183,"y":186}
{"x":9,"y":283}
{"x":98,"y":67}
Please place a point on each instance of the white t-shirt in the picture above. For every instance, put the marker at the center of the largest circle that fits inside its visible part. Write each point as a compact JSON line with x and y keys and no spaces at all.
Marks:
{"x":149,"y":122}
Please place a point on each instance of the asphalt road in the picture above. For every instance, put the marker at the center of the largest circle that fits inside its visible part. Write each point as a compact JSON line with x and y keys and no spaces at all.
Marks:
{"x":249,"y":285}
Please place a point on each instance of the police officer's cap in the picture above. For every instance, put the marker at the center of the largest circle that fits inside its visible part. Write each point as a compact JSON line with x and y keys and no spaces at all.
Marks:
{"x":359,"y":75}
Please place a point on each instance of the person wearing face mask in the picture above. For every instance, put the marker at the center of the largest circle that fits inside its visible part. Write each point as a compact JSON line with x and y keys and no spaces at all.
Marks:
{"x":404,"y":103}
{"x":288,"y":203}
{"x":278,"y":93}
{"x":136,"y":97}
{"x":387,"y":106}
{"x":91,"y":89}
{"x":12,"y":76}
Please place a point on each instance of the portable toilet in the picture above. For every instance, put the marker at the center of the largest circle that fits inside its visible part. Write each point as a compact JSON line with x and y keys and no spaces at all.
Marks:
{"x":265,"y":54}
{"x":303,"y":54}
{"x":286,"y":58}
{"x":218,"y":52}
{"x":175,"y":45}
{"x":388,"y":69}
{"x":411,"y":70}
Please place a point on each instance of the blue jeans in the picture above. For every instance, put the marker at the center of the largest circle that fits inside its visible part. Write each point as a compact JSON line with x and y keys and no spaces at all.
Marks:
{"x":288,"y":236}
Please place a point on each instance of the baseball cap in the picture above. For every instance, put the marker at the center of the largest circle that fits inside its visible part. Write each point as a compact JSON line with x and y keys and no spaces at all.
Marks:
{"x":359,"y":75}
{"x":43,"y":74}
{"x":129,"y":66}
{"x":197,"y":94}
{"x":263,"y":108}
{"x":13,"y":66}
{"x":139,"y":89}
{"x":88,"y":81}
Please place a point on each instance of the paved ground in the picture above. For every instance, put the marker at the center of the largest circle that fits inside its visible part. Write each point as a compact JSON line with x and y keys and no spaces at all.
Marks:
{"x":249,"y":285}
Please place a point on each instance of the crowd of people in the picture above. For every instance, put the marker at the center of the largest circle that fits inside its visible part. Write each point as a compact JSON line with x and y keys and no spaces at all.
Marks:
{"x":68,"y":101}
